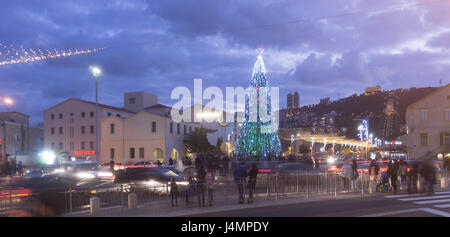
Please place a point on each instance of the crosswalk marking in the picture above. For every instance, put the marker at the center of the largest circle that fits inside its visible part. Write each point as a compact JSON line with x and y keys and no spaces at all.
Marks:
{"x":433,"y":201}
{"x":424,"y":198}
{"x":442,"y":206}
{"x":412,"y":195}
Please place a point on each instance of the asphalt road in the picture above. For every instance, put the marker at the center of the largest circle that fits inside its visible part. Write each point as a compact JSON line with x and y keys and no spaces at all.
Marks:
{"x":379,"y":205}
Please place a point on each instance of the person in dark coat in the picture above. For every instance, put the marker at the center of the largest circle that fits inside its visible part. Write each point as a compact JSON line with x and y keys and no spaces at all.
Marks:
{"x":20,"y":168}
{"x":428,"y":172}
{"x":412,"y":175}
{"x":170,"y":161}
{"x":240,"y":174}
{"x":393,"y":172}
{"x":201,"y":186}
{"x":252,"y":173}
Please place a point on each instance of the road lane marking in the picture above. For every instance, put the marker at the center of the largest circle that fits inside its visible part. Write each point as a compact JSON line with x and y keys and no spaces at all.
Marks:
{"x":442,"y":206}
{"x":412,"y":195}
{"x":433,"y":201}
{"x":429,"y":210}
{"x":424,"y":198}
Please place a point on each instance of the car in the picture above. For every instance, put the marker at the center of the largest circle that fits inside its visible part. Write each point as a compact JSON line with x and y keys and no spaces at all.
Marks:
{"x":293,"y":168}
{"x":83,"y":170}
{"x":117,"y":166}
{"x":155,"y":178}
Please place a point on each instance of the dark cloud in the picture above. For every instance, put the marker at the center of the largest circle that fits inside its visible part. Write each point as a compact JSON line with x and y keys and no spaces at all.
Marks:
{"x":319,"y":48}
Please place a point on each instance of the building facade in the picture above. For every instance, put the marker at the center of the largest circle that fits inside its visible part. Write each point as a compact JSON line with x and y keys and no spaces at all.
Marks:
{"x":69,"y":127}
{"x":428,"y":125}
{"x":293,"y":101}
{"x":17,"y":136}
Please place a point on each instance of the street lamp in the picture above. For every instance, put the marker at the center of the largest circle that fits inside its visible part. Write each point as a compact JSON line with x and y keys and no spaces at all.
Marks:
{"x":8,"y":101}
{"x":96,"y":72}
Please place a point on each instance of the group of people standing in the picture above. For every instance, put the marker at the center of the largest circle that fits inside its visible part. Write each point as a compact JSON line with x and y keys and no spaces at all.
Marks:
{"x":399,"y":173}
{"x":10,"y":167}
{"x":240,"y":175}
{"x":201,"y":186}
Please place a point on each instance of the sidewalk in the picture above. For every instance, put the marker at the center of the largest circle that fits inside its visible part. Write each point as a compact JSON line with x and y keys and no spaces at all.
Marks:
{"x":162,"y":208}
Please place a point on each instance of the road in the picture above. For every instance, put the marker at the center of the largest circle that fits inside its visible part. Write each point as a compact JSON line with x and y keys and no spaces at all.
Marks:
{"x":401,"y":205}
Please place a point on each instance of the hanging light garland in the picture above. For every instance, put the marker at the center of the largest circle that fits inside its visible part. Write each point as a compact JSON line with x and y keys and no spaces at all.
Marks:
{"x":14,"y":55}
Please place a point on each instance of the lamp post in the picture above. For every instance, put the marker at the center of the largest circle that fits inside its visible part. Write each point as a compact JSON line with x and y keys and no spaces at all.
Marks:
{"x":7,"y":101}
{"x":96,"y":72}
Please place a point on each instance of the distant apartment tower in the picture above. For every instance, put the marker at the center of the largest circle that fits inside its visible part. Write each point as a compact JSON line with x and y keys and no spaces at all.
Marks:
{"x":325,"y":101}
{"x":391,"y":126}
{"x":293,"y":101}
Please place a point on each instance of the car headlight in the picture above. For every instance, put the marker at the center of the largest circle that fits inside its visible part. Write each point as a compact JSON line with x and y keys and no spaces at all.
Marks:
{"x":85,"y":175}
{"x":104,"y":174}
{"x":184,"y":183}
{"x":153,"y":183}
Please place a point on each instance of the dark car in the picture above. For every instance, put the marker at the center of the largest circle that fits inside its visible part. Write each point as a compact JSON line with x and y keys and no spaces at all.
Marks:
{"x":293,"y":168}
{"x":37,"y":196}
{"x":155,"y":178}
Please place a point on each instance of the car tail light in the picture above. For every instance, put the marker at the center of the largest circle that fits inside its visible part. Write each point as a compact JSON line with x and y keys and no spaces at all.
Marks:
{"x":15,"y":193}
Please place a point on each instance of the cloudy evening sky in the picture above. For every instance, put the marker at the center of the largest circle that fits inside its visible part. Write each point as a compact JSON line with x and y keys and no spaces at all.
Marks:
{"x":319,"y":48}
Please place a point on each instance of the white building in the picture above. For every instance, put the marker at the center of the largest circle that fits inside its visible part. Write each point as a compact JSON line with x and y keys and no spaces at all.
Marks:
{"x":428,"y":125}
{"x":69,"y":127}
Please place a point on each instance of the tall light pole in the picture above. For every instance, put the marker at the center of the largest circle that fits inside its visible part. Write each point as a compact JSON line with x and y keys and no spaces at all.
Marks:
{"x":96,"y":72}
{"x":7,"y":101}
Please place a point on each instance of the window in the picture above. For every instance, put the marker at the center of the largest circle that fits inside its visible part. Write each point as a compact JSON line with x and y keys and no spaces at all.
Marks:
{"x":92,"y":114}
{"x":60,"y":146}
{"x":60,"y":130}
{"x":141,"y":153}
{"x":92,"y":128}
{"x":82,"y":146}
{"x":71,"y":132}
{"x":184,"y":130}
{"x":53,"y":131}
{"x":118,"y":115}
{"x":91,"y":145}
{"x":71,"y":146}
{"x":52,"y":116}
{"x":131,"y":101}
{"x":60,"y":116}
{"x":83,"y":114}
{"x":131,"y":153}
{"x":171,"y":127}
{"x":178,"y":128}
{"x":109,"y":114}
{"x":82,"y":130}
{"x":423,"y":139}
{"x":153,"y":126}
{"x":447,"y":114}
{"x":190,"y":129}
{"x":111,"y":128}
{"x":424,"y":115}
{"x":111,"y":153}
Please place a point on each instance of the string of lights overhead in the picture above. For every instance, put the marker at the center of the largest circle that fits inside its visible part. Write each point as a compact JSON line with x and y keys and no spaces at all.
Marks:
{"x":10,"y":54}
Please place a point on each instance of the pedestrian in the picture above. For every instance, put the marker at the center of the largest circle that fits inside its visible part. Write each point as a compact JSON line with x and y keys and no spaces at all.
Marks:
{"x":373,"y":173}
{"x":402,"y":172}
{"x":111,"y":165}
{"x":355,"y":173}
{"x":13,"y":167}
{"x":393,"y":173}
{"x":428,"y":172}
{"x":20,"y":168}
{"x":210,"y":180}
{"x":252,"y":174}
{"x":7,"y":168}
{"x":170,"y":161}
{"x":240,"y":173}
{"x":173,"y":191}
{"x":201,"y":176}
{"x":412,"y":174}
{"x":190,"y":189}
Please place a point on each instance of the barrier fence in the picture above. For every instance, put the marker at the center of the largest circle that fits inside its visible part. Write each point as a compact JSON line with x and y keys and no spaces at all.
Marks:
{"x":153,"y":200}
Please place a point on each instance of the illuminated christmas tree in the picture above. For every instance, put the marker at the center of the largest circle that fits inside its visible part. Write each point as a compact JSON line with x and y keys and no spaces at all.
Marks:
{"x":258,"y":139}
